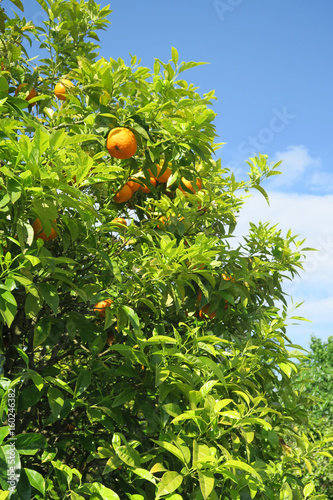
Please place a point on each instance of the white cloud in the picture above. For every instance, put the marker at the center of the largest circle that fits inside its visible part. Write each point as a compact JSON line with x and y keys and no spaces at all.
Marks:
{"x":301,"y":171}
{"x":308,"y":216}
{"x":297,"y":165}
{"x":300,"y":200}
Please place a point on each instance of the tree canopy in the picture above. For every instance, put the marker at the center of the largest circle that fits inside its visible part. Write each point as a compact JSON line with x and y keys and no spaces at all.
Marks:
{"x":144,"y":354}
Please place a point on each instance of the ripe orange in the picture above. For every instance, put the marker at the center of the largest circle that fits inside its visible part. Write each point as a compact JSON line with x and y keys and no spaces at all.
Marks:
{"x":120,"y":220}
{"x":134,"y":186}
{"x":145,"y":189}
{"x":163,"y":220}
{"x":124,"y":194}
{"x":39,"y":232}
{"x":121,"y":143}
{"x":100,"y":307}
{"x":61,"y":87}
{"x":161,"y":178}
{"x":204,"y":310}
{"x":31,"y":94}
{"x":226,"y":277}
{"x":190,"y":185}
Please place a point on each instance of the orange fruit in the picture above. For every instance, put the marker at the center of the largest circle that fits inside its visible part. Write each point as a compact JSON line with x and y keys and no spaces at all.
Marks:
{"x":161,"y":178}
{"x":204,"y":310}
{"x":190,"y":185}
{"x":110,"y":339}
{"x":39,"y":232}
{"x":120,"y":220}
{"x":226,"y":277}
{"x":121,"y":143}
{"x":31,"y":94}
{"x":124,"y":194}
{"x":100,"y":307}
{"x":61,"y":87}
{"x":145,"y":189}
{"x":134,"y":186}
{"x":163,"y":220}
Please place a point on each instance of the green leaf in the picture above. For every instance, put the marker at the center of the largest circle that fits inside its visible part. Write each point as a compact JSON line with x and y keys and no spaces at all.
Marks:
{"x":32,"y":305}
{"x":262,"y":191}
{"x":124,"y":397}
{"x":308,"y":489}
{"x":144,"y":474}
{"x":161,"y":375}
{"x":133,"y":317}
{"x":237,"y":464}
{"x":37,"y":380}
{"x":214,"y":367}
{"x":188,"y":65}
{"x":129,"y":456}
{"x":201,"y":454}
{"x":56,"y":401}
{"x":82,"y":383}
{"x":286,"y":492}
{"x":116,"y":270}
{"x":8,"y":307}
{"x":46,"y":211}
{"x":161,"y":339}
{"x":174,"y":55}
{"x":50,"y":295}
{"x":36,"y":480}
{"x":171,"y":449}
{"x":29,"y":443}
{"x":41,"y":331}
{"x":140,"y":130}
{"x":76,"y":496}
{"x":4,"y":432}
{"x":23,"y":355}
{"x":207,"y":481}
{"x":106,"y":493}
{"x":14,"y":190}
{"x":170,"y":482}
{"x":18,"y":4}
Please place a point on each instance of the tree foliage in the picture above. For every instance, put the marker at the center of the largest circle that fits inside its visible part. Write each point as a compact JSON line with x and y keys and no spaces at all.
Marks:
{"x":153,"y":398}
{"x":315,"y":379}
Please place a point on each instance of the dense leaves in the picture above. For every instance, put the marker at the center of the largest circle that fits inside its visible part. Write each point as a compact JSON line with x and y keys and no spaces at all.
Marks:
{"x":315,"y":379}
{"x":180,"y":388}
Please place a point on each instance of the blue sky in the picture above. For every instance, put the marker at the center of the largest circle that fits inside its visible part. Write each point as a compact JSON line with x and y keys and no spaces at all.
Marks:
{"x":269,"y":64}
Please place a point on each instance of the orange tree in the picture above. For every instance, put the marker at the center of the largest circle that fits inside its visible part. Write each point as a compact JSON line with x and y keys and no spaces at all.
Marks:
{"x":143,"y":354}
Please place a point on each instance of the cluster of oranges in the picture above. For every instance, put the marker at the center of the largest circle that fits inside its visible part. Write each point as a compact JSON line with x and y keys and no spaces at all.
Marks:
{"x":60,"y":90}
{"x":121,"y":143}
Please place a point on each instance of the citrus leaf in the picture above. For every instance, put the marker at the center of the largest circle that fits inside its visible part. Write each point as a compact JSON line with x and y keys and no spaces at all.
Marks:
{"x":29,"y":443}
{"x":171,"y":449}
{"x":170,"y":482}
{"x":18,"y":4}
{"x":237,"y":464}
{"x":36,"y":480}
{"x":207,"y":481}
{"x":82,"y":383}
{"x":50,"y":295}
{"x":41,"y":331}
{"x":129,"y":456}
